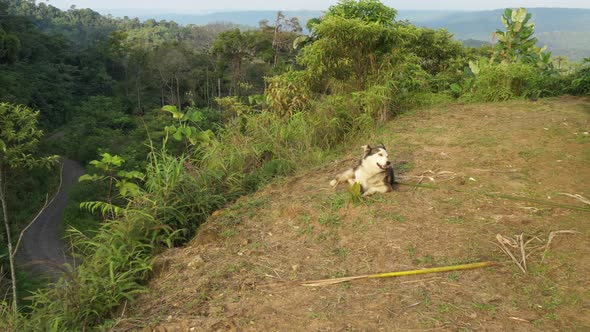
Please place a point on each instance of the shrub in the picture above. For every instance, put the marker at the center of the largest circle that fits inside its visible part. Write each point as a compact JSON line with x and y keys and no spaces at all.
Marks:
{"x":505,"y":81}
{"x":580,"y":80}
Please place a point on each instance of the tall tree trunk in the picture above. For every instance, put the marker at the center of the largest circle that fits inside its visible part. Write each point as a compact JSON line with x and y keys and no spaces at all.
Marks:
{"x":207,"y":97}
{"x":172,"y":100}
{"x":8,"y":240}
{"x":126,"y":80}
{"x":275,"y":43}
{"x":178,"y":93}
{"x":138,"y":97}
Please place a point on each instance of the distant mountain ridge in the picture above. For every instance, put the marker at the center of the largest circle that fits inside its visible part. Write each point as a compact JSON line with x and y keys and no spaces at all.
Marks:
{"x":565,"y":30}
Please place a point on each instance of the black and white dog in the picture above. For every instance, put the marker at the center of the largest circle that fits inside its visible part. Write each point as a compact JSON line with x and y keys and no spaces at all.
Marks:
{"x":374,"y":172}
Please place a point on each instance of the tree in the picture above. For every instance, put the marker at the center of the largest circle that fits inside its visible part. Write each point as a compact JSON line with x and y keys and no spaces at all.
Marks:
{"x":232,"y":46}
{"x":284,"y":32}
{"x":19,"y":138}
{"x":172,"y":64}
{"x":517,"y":42}
{"x":9,"y":47}
{"x":108,"y":170}
{"x":350,"y":41}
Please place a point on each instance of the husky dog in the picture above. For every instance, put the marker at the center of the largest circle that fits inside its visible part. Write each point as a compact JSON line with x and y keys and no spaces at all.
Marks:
{"x":374,"y":172}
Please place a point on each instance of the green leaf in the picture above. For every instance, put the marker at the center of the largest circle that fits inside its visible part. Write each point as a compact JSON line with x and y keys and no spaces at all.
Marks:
{"x":517,"y":26}
{"x":128,"y":189}
{"x":170,"y":129}
{"x":474,"y":67}
{"x":519,"y":15}
{"x":131,"y":175}
{"x":178,"y":134}
{"x":355,"y":191}
{"x":504,"y":20}
{"x":195,"y":116}
{"x":172,"y":109}
{"x":456,"y":88}
{"x":90,"y":177}
{"x":300,"y":41}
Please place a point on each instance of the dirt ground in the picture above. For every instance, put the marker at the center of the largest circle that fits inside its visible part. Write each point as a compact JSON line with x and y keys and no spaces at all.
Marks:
{"x":241,"y":272}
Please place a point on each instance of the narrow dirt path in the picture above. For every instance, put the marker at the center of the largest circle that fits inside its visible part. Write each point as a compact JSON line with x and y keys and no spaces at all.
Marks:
{"x":42,"y":251}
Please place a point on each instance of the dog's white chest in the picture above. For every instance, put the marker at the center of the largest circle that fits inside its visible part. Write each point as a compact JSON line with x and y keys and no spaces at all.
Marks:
{"x":362,"y":177}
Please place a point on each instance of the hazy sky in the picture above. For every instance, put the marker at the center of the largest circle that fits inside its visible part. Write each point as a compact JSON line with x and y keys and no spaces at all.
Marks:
{"x":225,"y":5}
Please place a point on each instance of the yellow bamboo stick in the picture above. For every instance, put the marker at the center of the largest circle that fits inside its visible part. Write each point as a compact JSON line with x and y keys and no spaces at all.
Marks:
{"x":326,"y":282}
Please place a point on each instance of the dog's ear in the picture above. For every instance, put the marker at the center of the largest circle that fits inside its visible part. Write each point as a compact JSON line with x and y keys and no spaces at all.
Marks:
{"x":366,"y":150}
{"x":381,"y":146}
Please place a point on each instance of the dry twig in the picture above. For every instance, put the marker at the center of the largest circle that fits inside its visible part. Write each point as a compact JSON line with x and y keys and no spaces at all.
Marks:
{"x":518,"y":247}
{"x":578,"y":197}
{"x":551,"y":236}
{"x":518,"y":244}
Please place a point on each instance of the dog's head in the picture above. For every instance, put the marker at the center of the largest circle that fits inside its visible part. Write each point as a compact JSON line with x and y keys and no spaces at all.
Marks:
{"x":376,"y":157}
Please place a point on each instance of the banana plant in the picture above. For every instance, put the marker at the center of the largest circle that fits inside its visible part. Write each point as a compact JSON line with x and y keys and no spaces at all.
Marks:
{"x":469,"y":75}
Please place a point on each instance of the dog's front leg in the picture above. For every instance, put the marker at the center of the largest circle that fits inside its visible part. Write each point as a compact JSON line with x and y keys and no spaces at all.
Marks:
{"x":347,"y":175}
{"x":370,"y":191}
{"x":374,"y":190}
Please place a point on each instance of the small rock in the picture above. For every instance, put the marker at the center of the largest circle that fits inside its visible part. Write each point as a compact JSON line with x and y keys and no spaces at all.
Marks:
{"x":472,"y":179}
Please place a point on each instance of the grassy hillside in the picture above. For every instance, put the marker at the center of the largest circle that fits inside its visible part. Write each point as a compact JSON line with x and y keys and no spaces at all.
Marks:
{"x":241,"y":270}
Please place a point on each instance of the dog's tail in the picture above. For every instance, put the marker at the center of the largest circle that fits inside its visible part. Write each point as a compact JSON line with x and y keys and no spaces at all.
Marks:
{"x":391,"y":178}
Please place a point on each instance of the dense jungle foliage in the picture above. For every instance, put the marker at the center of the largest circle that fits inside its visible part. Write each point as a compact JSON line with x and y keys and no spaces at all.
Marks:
{"x":176,"y":121}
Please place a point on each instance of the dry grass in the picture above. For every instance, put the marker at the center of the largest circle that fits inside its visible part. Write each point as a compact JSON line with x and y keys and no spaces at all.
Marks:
{"x":300,"y":229}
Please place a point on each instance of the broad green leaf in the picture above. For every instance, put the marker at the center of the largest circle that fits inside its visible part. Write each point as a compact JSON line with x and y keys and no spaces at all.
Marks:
{"x":474,"y":67}
{"x":456,"y":88}
{"x":504,"y":21}
{"x":178,"y":135}
{"x":128,"y":189}
{"x":90,"y":177}
{"x":131,"y":175}
{"x":172,"y":109}
{"x":519,"y":15}
{"x":195,"y":116}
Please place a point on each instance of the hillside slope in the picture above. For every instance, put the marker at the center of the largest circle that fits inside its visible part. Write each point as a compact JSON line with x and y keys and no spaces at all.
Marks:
{"x":240,"y":271}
